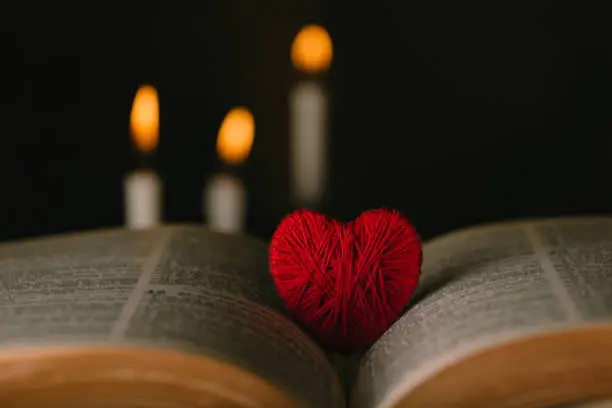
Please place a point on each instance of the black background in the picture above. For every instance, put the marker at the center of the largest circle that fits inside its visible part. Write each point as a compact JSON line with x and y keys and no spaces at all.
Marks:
{"x":453,"y":112}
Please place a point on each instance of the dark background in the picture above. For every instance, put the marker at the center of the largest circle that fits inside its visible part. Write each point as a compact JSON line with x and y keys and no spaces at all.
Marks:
{"x":454,"y":112}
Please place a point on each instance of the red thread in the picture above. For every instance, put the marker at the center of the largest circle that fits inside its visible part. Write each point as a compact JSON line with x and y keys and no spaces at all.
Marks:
{"x":346,"y":283}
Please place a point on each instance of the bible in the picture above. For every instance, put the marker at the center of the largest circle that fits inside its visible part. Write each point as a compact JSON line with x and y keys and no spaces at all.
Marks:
{"x":508,"y":314}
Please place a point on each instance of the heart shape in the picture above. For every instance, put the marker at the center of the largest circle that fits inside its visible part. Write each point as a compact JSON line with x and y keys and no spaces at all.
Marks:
{"x":346,"y":283}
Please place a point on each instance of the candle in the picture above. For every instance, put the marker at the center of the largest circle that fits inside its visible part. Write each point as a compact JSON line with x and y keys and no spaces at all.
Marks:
{"x":224,"y":197}
{"x":225,"y":200}
{"x":143,"y":187}
{"x":311,"y":55}
{"x":142,"y":199}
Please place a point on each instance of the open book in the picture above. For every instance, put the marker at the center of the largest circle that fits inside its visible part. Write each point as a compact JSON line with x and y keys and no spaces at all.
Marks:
{"x":506,"y":315}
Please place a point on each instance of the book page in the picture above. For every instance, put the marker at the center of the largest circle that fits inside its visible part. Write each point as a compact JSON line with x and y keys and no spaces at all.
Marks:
{"x":592,"y":404}
{"x":178,"y":287}
{"x":487,"y":284}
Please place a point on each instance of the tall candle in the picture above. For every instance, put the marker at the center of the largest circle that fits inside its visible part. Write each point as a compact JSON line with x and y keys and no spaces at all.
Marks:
{"x":311,"y":55}
{"x":308,"y":144}
{"x":143,"y":187}
{"x":224,"y":196}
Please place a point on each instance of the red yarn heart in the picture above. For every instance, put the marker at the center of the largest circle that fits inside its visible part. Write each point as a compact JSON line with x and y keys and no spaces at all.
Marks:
{"x":346,"y":283}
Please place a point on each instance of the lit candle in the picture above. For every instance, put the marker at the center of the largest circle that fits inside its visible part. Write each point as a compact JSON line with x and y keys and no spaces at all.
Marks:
{"x":311,"y":55}
{"x":143,"y":187}
{"x":224,"y":201}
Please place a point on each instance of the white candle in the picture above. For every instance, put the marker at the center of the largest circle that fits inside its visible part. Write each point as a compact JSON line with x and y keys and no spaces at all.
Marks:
{"x":225,"y":203}
{"x":311,"y":54}
{"x":143,"y":187}
{"x":142,"y":199}
{"x":224,"y":197}
{"x":308,"y":142}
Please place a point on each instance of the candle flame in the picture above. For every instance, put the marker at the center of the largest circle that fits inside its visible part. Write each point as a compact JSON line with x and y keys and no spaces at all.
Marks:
{"x":236,"y":135}
{"x":312,"y":49}
{"x":144,"y":120}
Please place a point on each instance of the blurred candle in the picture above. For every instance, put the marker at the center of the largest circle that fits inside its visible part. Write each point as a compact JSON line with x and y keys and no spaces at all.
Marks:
{"x":143,"y":187}
{"x":224,"y":201}
{"x":311,"y":55}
